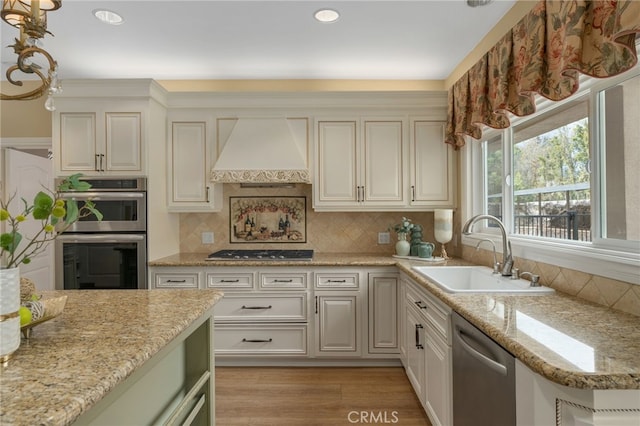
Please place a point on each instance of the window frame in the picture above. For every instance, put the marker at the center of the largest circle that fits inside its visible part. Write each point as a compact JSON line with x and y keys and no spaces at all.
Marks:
{"x":616,"y":259}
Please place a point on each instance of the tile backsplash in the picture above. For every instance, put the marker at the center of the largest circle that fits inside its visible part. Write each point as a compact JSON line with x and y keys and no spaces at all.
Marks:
{"x":603,"y":291}
{"x":328,"y":232}
{"x":357,"y":232}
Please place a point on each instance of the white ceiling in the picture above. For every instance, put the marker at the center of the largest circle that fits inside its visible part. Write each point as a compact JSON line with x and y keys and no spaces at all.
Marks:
{"x":168,"y":40}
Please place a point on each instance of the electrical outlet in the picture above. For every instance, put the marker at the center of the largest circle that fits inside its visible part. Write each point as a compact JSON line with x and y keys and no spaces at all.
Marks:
{"x":384,"y":238}
{"x":207,"y":238}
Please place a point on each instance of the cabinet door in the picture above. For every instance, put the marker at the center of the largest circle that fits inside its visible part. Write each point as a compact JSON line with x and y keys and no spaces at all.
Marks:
{"x":438,"y":378}
{"x":415,"y":360}
{"x":383,"y":314}
{"x":337,"y":325}
{"x":383,"y":154}
{"x":336,"y":175}
{"x":432,"y":165}
{"x":77,"y":144}
{"x":188,"y":165}
{"x":123,"y":143}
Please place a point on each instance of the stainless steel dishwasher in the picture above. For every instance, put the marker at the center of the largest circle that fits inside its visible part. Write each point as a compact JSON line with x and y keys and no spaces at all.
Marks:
{"x":484,"y":379}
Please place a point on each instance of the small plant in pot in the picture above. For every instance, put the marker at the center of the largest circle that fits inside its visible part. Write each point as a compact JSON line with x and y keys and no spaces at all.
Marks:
{"x":403,"y":247}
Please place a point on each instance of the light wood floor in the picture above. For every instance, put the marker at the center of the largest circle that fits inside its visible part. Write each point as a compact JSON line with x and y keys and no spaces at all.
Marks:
{"x":322,"y":396}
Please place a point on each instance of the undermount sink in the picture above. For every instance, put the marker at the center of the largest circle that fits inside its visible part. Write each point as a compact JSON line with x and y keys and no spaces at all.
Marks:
{"x":476,"y":279}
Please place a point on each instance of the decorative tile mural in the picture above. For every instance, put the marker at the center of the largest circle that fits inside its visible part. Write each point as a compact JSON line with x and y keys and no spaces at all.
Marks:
{"x":267,"y":219}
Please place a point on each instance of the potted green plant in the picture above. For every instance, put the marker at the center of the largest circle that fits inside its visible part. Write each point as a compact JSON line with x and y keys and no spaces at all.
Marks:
{"x":403,"y":247}
{"x":55,"y":215}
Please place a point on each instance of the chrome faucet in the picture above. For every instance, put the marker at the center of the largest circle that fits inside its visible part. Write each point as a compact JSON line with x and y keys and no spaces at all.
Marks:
{"x":496,"y":264}
{"x":507,"y":258}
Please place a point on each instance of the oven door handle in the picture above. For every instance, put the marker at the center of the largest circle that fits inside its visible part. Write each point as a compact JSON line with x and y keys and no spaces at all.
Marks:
{"x":100,"y":238}
{"x":100,"y":195}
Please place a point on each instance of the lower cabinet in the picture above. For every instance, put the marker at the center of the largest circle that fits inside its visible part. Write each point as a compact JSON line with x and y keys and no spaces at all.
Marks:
{"x":383,"y":318}
{"x":175,"y":387}
{"x":426,"y":352}
{"x":278,"y":312}
{"x":338,"y":301}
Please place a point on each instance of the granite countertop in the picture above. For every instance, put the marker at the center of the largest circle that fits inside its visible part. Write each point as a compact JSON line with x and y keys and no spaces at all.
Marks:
{"x":565,"y":339}
{"x":101,"y":337}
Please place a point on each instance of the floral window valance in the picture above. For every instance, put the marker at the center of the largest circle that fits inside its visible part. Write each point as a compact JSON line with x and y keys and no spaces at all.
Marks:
{"x":544,"y":53}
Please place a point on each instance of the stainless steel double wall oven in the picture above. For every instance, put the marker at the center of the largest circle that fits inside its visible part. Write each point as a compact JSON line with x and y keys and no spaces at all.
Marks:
{"x":107,"y":254}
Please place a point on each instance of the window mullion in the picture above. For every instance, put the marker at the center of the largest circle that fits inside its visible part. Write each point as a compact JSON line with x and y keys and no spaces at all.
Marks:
{"x":507,"y":174}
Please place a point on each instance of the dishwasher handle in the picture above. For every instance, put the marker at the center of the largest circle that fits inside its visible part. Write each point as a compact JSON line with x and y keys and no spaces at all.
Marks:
{"x":495,"y":366}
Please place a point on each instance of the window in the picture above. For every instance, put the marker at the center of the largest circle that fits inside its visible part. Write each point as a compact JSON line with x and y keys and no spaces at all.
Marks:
{"x":565,"y":181}
{"x":551,"y":191}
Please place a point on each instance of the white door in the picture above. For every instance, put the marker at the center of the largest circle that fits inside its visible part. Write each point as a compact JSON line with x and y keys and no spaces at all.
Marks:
{"x":26,"y":175}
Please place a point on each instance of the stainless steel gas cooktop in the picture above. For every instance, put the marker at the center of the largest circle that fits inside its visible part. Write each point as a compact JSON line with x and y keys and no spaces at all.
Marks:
{"x":261,"y":255}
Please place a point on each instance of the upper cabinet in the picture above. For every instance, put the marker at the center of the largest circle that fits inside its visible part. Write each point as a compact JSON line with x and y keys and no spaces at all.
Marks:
{"x":99,"y":141}
{"x":360,"y":164}
{"x":103,"y":128}
{"x":382,"y":164}
{"x":431,"y":165}
{"x":190,"y":156}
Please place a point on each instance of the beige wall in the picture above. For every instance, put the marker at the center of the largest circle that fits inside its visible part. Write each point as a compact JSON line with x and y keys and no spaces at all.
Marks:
{"x":23,"y":119}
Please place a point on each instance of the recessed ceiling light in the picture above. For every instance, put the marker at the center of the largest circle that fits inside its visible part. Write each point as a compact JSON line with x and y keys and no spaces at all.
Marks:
{"x":326,"y":15}
{"x":108,"y":17}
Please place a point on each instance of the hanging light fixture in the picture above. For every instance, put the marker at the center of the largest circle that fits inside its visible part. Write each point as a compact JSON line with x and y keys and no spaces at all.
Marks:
{"x":476,"y":3}
{"x":30,"y":18}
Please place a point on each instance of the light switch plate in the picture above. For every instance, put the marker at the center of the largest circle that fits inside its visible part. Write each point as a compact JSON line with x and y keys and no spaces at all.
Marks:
{"x":207,"y":238}
{"x":384,"y":238}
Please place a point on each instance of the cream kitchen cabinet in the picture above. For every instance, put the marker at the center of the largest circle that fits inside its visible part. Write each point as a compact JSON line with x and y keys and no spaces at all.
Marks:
{"x":427,"y":358}
{"x":360,"y":164}
{"x":190,"y":157}
{"x":265,"y":311}
{"x":432,"y":165}
{"x":540,"y":401}
{"x":104,"y":140}
{"x":383,"y":312}
{"x":338,"y":312}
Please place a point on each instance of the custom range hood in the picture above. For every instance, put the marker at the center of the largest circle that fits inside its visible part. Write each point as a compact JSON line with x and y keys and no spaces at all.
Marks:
{"x":262,"y":151}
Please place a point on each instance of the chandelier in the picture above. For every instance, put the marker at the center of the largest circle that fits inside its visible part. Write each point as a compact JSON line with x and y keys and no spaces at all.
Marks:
{"x":30,"y":17}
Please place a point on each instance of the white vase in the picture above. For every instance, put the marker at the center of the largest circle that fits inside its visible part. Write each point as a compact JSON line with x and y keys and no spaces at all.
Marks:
{"x":9,"y":312}
{"x":402,"y":246}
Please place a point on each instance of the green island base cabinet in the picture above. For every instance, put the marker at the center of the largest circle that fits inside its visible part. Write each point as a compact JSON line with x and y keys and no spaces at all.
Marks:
{"x":371,"y":315}
{"x":176,"y":387}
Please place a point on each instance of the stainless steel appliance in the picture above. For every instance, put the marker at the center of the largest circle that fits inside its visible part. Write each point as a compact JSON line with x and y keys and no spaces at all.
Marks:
{"x":484,"y":378}
{"x":261,"y":255}
{"x":107,"y":254}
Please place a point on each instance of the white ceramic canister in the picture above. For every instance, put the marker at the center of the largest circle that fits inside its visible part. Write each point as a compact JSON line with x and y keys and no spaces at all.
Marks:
{"x":9,"y":312}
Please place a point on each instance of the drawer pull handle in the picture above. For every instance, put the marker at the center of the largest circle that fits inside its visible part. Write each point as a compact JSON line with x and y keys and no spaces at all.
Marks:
{"x":282,"y":281}
{"x":257,"y":340}
{"x":420,"y":305}
{"x":256,"y":307}
{"x":230,"y":281}
{"x":176,"y":281}
{"x":336,"y":281}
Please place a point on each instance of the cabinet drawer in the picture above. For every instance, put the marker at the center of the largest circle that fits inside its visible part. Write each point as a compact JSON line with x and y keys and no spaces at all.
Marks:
{"x":258,"y":307}
{"x":438,"y":316}
{"x":176,"y":280}
{"x":338,"y":280}
{"x":261,"y":339}
{"x":283,"y":280}
{"x":233,"y":280}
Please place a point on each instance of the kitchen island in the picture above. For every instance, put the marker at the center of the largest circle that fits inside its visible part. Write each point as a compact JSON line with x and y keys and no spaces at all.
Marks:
{"x":128,"y":353}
